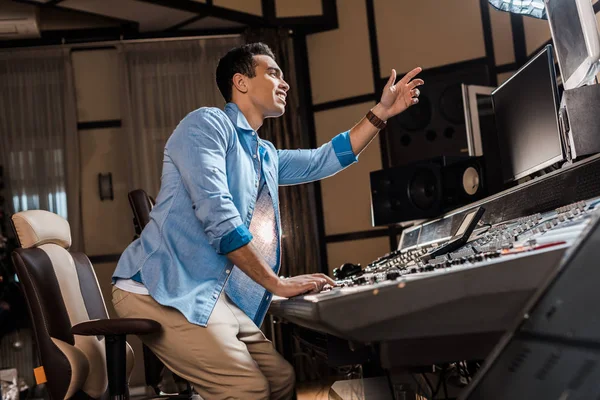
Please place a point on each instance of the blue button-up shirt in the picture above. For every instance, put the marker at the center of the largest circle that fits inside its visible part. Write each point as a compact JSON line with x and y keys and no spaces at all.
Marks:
{"x":209,"y":185}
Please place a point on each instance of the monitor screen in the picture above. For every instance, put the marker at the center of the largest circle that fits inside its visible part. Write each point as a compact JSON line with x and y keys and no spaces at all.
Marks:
{"x":435,"y":231}
{"x":410,"y":238}
{"x":575,"y":37}
{"x":465,"y":223}
{"x":525,"y":109}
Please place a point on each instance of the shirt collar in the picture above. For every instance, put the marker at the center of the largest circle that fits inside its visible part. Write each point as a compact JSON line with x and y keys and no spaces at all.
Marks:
{"x":237,"y":117}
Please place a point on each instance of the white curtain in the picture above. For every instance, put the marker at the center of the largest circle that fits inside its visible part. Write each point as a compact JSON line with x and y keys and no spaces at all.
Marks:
{"x":39,"y":147}
{"x":161,"y":83}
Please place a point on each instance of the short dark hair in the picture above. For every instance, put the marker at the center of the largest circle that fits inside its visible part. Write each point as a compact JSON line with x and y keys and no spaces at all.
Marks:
{"x":239,"y":60}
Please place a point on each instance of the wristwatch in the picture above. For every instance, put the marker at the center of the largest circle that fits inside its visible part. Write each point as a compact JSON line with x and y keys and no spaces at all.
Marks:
{"x":376,"y":121}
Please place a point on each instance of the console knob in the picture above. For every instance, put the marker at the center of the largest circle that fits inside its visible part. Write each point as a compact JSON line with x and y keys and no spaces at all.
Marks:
{"x":392,"y":274}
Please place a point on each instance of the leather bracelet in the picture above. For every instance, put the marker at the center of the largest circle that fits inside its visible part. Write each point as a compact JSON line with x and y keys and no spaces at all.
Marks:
{"x":376,"y":121}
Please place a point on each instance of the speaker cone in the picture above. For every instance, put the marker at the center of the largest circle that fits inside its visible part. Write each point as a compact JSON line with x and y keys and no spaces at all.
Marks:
{"x":423,"y":189}
{"x":451,"y":106}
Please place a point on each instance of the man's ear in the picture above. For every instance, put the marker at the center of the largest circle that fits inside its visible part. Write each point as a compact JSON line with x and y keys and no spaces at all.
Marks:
{"x":240,"y":82}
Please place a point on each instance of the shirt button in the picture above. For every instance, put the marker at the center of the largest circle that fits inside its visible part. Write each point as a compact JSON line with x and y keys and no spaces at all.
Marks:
{"x":253,"y":155}
{"x":256,"y":184}
{"x":215,"y":296}
{"x":253,"y":133}
{"x":227,"y":271}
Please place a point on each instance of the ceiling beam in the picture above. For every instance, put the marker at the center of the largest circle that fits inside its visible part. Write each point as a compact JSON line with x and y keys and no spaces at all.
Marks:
{"x":211,"y":10}
{"x":125,"y":23}
{"x":308,"y":24}
{"x":185,"y":23}
{"x":312,"y":24}
{"x":106,"y":35}
{"x":268,"y":10}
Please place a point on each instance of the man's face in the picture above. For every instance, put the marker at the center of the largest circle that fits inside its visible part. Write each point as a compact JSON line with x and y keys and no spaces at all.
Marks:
{"x":268,"y":90}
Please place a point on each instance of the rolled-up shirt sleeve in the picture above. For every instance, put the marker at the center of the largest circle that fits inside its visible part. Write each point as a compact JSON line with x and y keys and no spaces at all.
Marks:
{"x":301,"y":166}
{"x":198,"y":149}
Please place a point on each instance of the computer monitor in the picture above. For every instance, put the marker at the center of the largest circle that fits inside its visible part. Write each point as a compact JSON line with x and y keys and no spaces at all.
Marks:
{"x":575,"y":37}
{"x":525,"y":109}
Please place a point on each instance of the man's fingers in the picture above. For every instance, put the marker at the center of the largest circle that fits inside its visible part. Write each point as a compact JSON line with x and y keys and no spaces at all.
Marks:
{"x":327,"y":278}
{"x":411,"y":75}
{"x":309,"y":287}
{"x":392,"y":78}
{"x":417,"y":82}
{"x":316,"y":288}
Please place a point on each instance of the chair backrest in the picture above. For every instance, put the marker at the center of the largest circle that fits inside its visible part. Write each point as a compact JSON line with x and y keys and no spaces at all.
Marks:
{"x":61,"y":290}
{"x":141,"y":205}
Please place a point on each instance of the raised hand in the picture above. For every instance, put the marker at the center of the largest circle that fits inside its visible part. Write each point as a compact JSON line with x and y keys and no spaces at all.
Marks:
{"x":398,"y":97}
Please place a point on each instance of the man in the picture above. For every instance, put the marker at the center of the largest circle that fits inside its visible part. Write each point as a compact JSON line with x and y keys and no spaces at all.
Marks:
{"x":206,"y":264}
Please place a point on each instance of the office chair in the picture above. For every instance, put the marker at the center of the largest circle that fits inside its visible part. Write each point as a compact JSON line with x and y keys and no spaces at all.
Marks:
{"x":141,"y":205}
{"x":83,"y":352}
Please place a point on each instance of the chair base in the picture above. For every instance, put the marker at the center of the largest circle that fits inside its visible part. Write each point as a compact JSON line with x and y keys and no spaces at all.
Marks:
{"x":115,"y":366}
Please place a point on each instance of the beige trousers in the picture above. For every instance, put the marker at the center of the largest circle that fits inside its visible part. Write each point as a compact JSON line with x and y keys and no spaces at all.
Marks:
{"x":229,"y":359}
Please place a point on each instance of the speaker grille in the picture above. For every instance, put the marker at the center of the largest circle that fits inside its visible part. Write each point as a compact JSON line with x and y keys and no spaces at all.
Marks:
{"x":549,"y":364}
{"x":516,"y":362}
{"x":581,"y":374}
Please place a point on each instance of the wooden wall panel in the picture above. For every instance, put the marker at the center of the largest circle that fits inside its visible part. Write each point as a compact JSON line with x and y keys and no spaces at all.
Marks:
{"x":247,"y":6}
{"x":504,"y":76}
{"x":107,"y":226}
{"x":356,"y":251}
{"x":96,"y":85}
{"x":346,"y":196}
{"x":427,"y":33}
{"x":340,"y":60}
{"x":295,"y":8}
{"x":504,"y":49}
{"x":537,"y":32}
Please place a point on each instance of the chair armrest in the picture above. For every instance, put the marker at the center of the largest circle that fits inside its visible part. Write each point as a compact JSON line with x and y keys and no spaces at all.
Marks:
{"x":116,"y":326}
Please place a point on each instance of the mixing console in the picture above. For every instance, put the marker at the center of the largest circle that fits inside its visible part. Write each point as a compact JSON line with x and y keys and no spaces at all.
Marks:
{"x":476,"y":289}
{"x":535,"y":232}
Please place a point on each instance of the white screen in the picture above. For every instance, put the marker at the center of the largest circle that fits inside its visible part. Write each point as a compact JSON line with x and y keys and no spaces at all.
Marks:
{"x":465,"y":223}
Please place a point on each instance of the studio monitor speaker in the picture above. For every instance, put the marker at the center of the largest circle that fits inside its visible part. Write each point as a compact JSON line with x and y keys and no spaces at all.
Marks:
{"x":425,"y":189}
